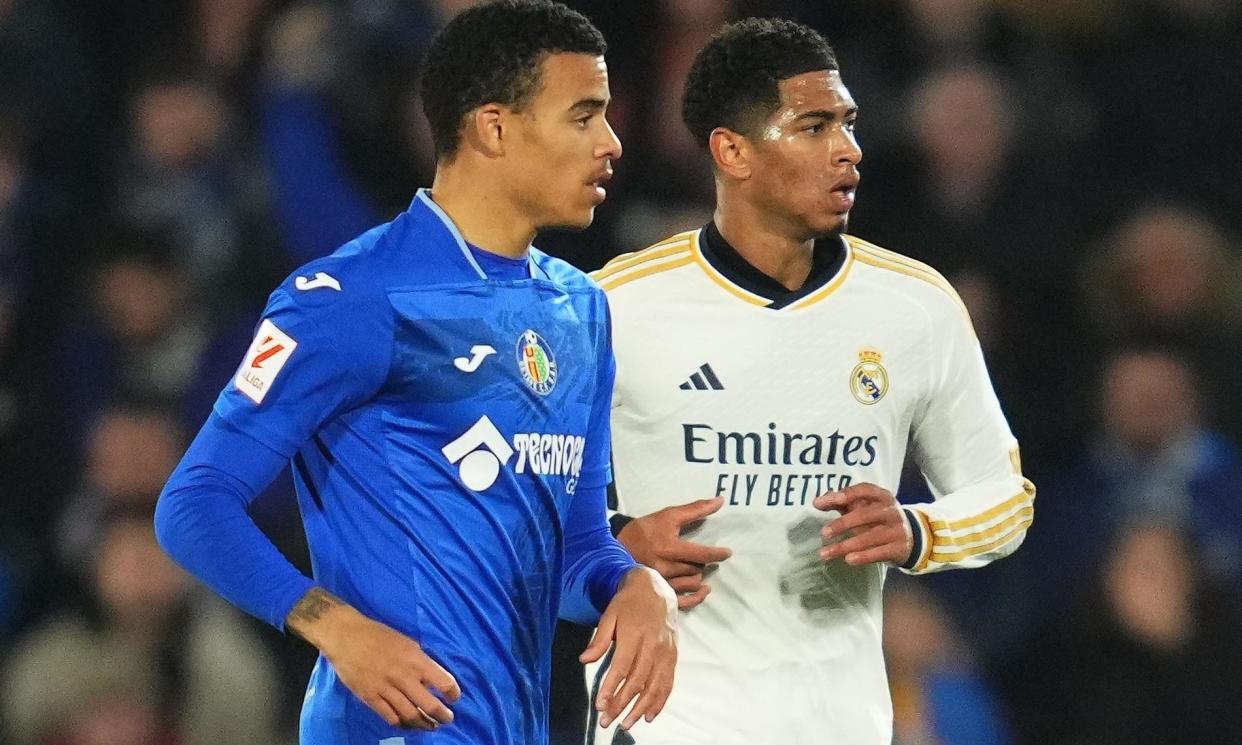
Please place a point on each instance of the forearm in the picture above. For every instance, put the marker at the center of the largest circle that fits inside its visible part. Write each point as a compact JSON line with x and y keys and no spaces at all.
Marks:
{"x":595,"y":563}
{"x":201,"y":520}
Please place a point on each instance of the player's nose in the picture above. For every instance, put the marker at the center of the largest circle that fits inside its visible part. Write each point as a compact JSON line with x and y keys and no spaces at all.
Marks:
{"x":610,"y":146}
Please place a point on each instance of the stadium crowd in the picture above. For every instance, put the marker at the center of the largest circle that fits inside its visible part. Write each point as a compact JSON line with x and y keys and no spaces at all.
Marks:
{"x":1070,"y":165}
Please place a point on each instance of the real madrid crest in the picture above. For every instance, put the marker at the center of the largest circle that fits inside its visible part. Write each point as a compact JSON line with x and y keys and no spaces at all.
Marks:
{"x":869,"y":379}
{"x":536,"y":363}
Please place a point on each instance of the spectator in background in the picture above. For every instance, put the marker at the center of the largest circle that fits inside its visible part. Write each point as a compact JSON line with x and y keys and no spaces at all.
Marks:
{"x":973,"y":196}
{"x":1150,"y":654}
{"x":130,"y":452}
{"x":144,"y":660}
{"x":188,"y":174}
{"x":147,"y":335}
{"x":1168,"y":274}
{"x":939,"y":697}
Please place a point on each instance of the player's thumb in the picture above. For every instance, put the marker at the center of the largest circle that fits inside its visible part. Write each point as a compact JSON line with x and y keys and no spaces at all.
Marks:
{"x":601,"y":641}
{"x":699,"y":509}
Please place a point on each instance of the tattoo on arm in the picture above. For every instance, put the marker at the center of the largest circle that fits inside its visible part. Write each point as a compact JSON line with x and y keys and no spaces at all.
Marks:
{"x":313,"y":604}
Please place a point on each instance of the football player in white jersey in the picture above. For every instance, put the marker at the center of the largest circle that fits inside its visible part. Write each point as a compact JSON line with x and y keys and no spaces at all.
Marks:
{"x":772,"y":373}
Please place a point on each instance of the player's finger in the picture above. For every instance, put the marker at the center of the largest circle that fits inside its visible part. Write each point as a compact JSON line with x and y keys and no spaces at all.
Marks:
{"x":442,"y":681}
{"x":384,"y":709}
{"x":856,"y":519}
{"x":696,"y":510}
{"x":686,"y":584}
{"x":672,"y":569}
{"x":698,"y":553}
{"x":886,"y":552}
{"x":850,"y":495}
{"x":408,"y":713}
{"x":661,"y":689}
{"x":651,"y":701}
{"x":635,"y":683}
{"x":862,"y":542}
{"x":430,"y":705}
{"x":622,"y":664}
{"x":601,"y":640}
{"x":686,"y":602}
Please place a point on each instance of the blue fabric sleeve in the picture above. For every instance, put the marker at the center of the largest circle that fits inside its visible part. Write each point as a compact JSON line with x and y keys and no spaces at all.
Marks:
{"x":317,"y":205}
{"x":597,"y":457}
{"x":595,"y":563}
{"x":201,"y":520}
{"x":337,"y":350}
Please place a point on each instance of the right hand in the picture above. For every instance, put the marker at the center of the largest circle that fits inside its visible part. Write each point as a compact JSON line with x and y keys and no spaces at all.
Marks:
{"x":389,"y":671}
{"x":655,"y":540}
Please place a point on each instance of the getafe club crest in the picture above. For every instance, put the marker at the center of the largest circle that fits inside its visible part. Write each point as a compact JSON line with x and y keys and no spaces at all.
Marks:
{"x":536,"y":363}
{"x":869,"y":380}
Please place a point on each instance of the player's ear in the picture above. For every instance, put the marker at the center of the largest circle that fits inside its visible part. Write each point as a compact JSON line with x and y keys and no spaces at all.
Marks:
{"x":731,"y":151}
{"x":485,"y":129}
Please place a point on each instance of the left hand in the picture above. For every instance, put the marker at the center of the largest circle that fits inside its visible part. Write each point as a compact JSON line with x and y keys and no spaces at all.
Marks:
{"x":642,"y":620}
{"x":880,"y":529}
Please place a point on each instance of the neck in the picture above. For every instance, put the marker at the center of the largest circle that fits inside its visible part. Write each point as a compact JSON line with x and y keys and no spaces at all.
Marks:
{"x":765,"y":243}
{"x":484,"y":216}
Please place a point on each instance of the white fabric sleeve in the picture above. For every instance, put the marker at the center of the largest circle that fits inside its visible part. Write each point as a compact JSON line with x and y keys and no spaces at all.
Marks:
{"x":968,"y":455}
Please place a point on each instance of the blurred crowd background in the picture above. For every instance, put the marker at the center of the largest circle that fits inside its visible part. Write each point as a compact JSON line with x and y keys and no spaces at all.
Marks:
{"x":1073,"y":166}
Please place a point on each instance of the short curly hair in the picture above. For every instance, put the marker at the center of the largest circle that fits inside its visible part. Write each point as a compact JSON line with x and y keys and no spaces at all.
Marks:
{"x":733,"y":81}
{"x":491,"y":53}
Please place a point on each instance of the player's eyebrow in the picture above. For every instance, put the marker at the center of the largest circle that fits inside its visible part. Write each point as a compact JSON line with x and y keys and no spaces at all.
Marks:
{"x":589,"y":104}
{"x":827,"y":115}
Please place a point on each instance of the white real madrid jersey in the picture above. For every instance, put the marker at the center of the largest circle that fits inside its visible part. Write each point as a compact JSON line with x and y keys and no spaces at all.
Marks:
{"x":719,"y":395}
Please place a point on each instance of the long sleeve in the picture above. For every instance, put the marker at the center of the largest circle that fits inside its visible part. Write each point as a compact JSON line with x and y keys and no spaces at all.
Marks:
{"x":968,"y":455}
{"x":202,"y":522}
{"x":595,"y":562}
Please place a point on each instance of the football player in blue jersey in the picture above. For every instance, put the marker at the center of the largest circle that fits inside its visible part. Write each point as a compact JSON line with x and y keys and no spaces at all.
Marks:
{"x":442,"y":391}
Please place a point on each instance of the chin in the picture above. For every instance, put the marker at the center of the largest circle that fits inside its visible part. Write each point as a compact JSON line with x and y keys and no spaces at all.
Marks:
{"x":831,"y":228}
{"x":579,"y":221}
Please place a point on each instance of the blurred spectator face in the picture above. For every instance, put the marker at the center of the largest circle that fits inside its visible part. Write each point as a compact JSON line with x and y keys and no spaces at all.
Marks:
{"x":1148,"y":398}
{"x":178,"y":123}
{"x":1149,"y":582}
{"x":1171,"y":264}
{"x":131,"y":454}
{"x":800,"y":168}
{"x":137,"y":299}
{"x":961,"y":120}
{"x":115,"y":720}
{"x":226,"y":28}
{"x":136,"y":581}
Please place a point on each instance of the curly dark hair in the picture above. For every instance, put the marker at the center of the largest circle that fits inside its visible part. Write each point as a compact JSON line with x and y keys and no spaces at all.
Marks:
{"x":492,"y":53}
{"x":733,"y":82}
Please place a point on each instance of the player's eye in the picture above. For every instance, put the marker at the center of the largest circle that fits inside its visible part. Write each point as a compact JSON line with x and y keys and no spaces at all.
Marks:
{"x":583,"y":121}
{"x":815,"y":128}
{"x":851,"y":124}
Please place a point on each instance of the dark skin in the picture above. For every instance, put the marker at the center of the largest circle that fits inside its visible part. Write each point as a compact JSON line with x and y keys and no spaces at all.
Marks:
{"x":515,"y":172}
{"x":788,"y":181}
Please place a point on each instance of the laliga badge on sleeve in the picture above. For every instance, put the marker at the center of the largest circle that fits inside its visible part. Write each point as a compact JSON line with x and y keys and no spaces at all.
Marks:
{"x":268,"y":353}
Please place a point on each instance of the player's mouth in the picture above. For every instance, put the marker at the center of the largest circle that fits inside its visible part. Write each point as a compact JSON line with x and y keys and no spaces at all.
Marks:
{"x":843,"y":194}
{"x":596,"y":183}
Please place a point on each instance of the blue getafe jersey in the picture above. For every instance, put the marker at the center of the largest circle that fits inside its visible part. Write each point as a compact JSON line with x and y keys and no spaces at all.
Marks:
{"x":439,"y":423}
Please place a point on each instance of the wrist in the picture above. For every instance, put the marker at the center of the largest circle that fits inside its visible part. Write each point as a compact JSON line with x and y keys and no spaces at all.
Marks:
{"x":318,"y":617}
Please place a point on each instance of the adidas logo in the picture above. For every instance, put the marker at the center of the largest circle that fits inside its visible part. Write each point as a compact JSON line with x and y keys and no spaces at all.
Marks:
{"x":703,"y":380}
